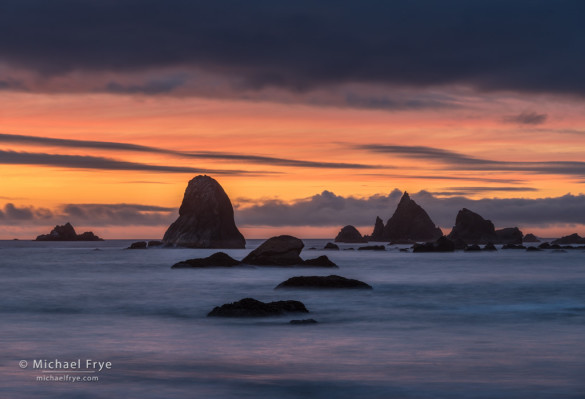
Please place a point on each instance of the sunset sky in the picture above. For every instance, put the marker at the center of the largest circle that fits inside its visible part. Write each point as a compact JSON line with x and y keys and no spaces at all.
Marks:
{"x":311,"y":115}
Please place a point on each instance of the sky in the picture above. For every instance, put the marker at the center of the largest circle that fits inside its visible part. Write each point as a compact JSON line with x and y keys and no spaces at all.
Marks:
{"x":311,"y":114}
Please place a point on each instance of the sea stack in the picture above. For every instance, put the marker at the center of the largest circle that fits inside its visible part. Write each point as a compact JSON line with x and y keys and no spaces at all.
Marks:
{"x":410,"y":222}
{"x":471,"y":228}
{"x":206,"y":218}
{"x":350,"y":234}
{"x":378,"y":233}
{"x":66,"y":232}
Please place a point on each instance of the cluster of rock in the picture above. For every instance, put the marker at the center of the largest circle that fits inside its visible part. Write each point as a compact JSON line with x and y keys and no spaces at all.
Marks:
{"x":145,"y":244}
{"x":66,"y":232}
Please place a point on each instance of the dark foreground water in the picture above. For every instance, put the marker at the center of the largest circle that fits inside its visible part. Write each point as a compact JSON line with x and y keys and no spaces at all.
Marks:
{"x":509,"y":324}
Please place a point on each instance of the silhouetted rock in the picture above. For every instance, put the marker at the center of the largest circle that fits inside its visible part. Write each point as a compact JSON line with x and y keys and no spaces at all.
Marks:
{"x":509,"y":235}
{"x":66,"y":232}
{"x":321,"y":261}
{"x":331,"y":281}
{"x":490,"y":247}
{"x":349,"y":234}
{"x":472,"y":248}
{"x":513,"y":246}
{"x":402,"y":242}
{"x":372,"y":248}
{"x":138,"y":245}
{"x":155,"y":243}
{"x":530,"y":238}
{"x":571,"y":239}
{"x":277,"y":251}
{"x":218,"y":259}
{"x":410,"y":222}
{"x":403,"y":250}
{"x":443,"y":244}
{"x":459,"y":243}
{"x":533,"y":249}
{"x":303,"y":321}
{"x":331,"y":246}
{"x":378,"y":233}
{"x":206,"y":218}
{"x":472,"y":228}
{"x":249,"y":307}
{"x":349,"y":249}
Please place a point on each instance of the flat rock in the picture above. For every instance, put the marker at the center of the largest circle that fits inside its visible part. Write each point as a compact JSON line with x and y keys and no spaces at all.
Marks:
{"x":206,"y":218}
{"x":249,"y":307}
{"x":321,"y":261}
{"x":218,"y":259}
{"x":277,"y":251}
{"x":327,"y":282}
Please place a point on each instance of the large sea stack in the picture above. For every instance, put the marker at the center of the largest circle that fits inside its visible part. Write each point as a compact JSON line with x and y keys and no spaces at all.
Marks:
{"x":410,"y":222}
{"x":471,"y":228}
{"x":206,"y":218}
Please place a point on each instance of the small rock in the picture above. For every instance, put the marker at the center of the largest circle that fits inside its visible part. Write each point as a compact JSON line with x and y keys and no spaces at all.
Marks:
{"x":331,"y":246}
{"x":218,"y":259}
{"x":277,"y":251}
{"x":249,"y":307}
{"x":303,"y":321}
{"x":154,"y":243}
{"x":138,"y":245}
{"x":321,"y":261}
{"x":331,"y":281}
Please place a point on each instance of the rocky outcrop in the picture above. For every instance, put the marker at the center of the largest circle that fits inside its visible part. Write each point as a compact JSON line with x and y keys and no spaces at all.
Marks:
{"x":218,"y":259}
{"x":530,"y":238}
{"x":443,"y":244}
{"x":332,"y":281}
{"x":570,"y":239}
{"x":138,"y":245}
{"x":378,"y":233}
{"x":206,"y":218}
{"x":249,"y":307}
{"x":410,"y":222}
{"x":509,"y":235}
{"x":66,"y":232}
{"x":472,"y":228}
{"x":277,"y":251}
{"x":350,"y":234}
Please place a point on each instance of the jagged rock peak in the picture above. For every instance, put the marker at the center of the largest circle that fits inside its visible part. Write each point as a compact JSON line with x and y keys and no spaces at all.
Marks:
{"x":206,"y":218}
{"x":410,"y":222}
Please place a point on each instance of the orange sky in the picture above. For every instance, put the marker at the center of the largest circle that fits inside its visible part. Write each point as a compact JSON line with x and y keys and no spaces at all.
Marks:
{"x":277,"y":129}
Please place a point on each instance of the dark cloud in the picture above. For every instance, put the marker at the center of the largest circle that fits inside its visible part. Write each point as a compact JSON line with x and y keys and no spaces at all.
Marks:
{"x":526,"y":118}
{"x":100,"y":163}
{"x":15,"y":214}
{"x":328,"y":209}
{"x":161,"y":86}
{"x":12,"y":84}
{"x":446,"y":177}
{"x":107,"y":145}
{"x":462,"y":162}
{"x":521,"y":45}
{"x":356,"y":100}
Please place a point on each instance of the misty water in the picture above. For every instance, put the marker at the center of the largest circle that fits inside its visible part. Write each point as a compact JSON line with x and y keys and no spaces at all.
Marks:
{"x":509,"y":324}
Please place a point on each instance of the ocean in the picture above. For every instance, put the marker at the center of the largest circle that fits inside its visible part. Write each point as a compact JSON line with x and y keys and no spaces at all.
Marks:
{"x":503,"y":325}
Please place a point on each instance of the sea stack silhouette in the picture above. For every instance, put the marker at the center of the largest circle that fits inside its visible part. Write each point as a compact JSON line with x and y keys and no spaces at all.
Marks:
{"x":471,"y":228}
{"x":410,"y":222}
{"x":206,"y":218}
{"x":66,"y":232}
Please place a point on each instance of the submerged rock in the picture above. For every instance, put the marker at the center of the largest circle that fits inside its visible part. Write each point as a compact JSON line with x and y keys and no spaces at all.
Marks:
{"x":321,"y":261}
{"x":410,"y":222}
{"x":472,"y":248}
{"x":249,"y":307}
{"x":372,"y":248}
{"x":303,"y":321}
{"x":331,"y":281}
{"x":206,"y":218}
{"x":218,"y":259}
{"x":277,"y":251}
{"x":443,"y":244}
{"x":331,"y":246}
{"x":513,"y":246}
{"x":66,"y":232}
{"x":490,"y":247}
{"x":349,"y":234}
{"x":533,"y":249}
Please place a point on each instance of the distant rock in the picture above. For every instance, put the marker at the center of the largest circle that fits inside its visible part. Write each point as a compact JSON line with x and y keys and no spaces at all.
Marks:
{"x":331,"y":246}
{"x":303,"y":321}
{"x":372,"y":248}
{"x":570,"y":239}
{"x":513,"y":246}
{"x":249,"y":307}
{"x":533,"y":249}
{"x":218,"y":259}
{"x":155,"y":243}
{"x":472,"y":228}
{"x":66,"y":232}
{"x":489,"y":247}
{"x":443,"y":244}
{"x":206,"y":218}
{"x":332,"y":281}
{"x":530,"y":238}
{"x":509,"y":235}
{"x":138,"y":245}
{"x":378,"y":233}
{"x":472,"y":248}
{"x":321,"y":261}
{"x":402,"y":242}
{"x":349,"y":234}
{"x":410,"y":222}
{"x":277,"y":251}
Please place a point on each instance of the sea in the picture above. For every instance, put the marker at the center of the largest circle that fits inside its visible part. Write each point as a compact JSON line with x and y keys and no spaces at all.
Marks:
{"x":488,"y":325}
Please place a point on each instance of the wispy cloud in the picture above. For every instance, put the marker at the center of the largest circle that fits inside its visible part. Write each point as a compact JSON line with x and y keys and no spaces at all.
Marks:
{"x":100,"y":163}
{"x":526,"y":118}
{"x":116,"y":146}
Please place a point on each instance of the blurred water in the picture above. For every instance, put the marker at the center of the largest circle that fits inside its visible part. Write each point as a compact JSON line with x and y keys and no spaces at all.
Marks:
{"x":457,"y":325}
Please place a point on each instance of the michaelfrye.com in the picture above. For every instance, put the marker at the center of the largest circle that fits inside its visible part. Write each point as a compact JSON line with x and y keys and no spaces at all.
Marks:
{"x":71,"y":370}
